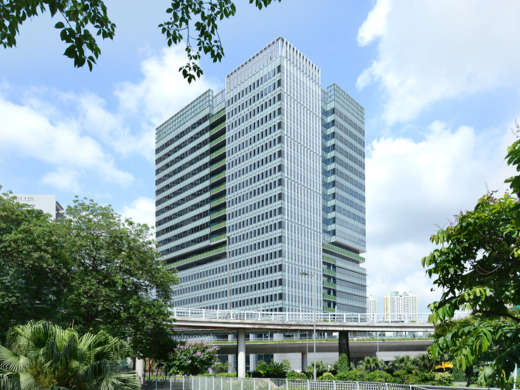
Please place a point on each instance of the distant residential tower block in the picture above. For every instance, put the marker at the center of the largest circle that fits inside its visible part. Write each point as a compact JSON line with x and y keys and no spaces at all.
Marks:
{"x":401,"y":306}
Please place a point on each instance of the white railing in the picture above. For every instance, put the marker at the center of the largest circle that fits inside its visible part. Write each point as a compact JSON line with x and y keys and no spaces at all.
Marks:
{"x":220,"y":383}
{"x":421,"y":318}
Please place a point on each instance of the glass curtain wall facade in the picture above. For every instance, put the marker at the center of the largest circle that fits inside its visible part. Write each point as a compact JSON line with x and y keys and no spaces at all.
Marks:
{"x":344,"y":223}
{"x":241,"y":196}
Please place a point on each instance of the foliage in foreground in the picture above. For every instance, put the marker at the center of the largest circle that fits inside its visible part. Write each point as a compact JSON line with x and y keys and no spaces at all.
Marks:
{"x":477,"y":268}
{"x":91,"y":269}
{"x":40,"y":355}
{"x":79,"y":17}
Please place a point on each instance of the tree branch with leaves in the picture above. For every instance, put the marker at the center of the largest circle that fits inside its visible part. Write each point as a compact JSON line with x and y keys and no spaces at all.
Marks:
{"x":478,"y":268}
{"x":78,"y":16}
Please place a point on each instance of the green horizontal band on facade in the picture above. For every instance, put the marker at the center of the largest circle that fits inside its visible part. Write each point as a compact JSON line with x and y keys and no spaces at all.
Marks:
{"x":329,"y":284}
{"x":218,"y":213}
{"x":197,"y":257}
{"x":218,"y":226}
{"x":216,"y":141}
{"x":217,"y":164}
{"x":219,"y":188}
{"x":343,"y":252}
{"x":217,"y":115}
{"x":218,"y":238}
{"x":219,"y":176}
{"x":329,"y":259}
{"x":213,"y":131}
{"x":329,"y":272}
{"x":329,"y":309}
{"x":329,"y":297}
{"x":221,"y":150}
{"x":218,"y":201}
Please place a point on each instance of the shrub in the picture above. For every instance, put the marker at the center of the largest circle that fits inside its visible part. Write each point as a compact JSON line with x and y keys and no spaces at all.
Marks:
{"x":192,"y":358}
{"x":227,"y":375}
{"x":425,"y":377}
{"x":459,"y":375}
{"x":301,"y":375}
{"x":343,"y":363}
{"x":292,"y":375}
{"x":342,"y":376}
{"x":443,"y":378}
{"x":326,"y":377}
{"x":400,"y":374}
{"x":262,"y":366}
{"x":352,"y":376}
{"x":410,"y":379}
{"x":380,"y":376}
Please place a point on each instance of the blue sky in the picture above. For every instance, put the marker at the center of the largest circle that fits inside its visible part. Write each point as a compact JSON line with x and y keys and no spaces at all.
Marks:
{"x":439,"y":81}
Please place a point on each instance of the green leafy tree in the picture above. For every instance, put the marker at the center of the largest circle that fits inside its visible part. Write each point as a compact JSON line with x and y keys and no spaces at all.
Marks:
{"x":80,"y":17}
{"x":34,"y":267}
{"x":94,"y":271}
{"x":477,"y":268}
{"x":40,"y":355}
{"x":192,"y":358}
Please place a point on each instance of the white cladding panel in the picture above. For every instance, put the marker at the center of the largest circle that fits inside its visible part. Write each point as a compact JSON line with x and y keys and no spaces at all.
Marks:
{"x":45,"y":203}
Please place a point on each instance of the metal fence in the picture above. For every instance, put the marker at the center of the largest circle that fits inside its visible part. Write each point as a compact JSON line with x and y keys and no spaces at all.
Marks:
{"x":221,"y":383}
{"x":421,"y":318}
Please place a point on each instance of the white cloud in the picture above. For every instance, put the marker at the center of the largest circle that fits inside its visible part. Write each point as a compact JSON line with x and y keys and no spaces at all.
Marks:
{"x":64,"y":179}
{"x":375,"y":25}
{"x":29,"y":133}
{"x":78,"y":132}
{"x":141,"y":210}
{"x":144,"y":105}
{"x":411,"y":186}
{"x":435,"y":50}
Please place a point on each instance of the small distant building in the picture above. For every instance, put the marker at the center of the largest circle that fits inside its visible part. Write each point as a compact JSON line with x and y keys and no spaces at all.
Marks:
{"x":45,"y":203}
{"x":401,"y":306}
{"x":371,"y":308}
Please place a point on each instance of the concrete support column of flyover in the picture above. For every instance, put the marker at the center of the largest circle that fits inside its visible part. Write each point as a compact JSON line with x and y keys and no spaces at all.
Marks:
{"x":343,"y":345}
{"x":305,"y":361}
{"x":241,"y":353}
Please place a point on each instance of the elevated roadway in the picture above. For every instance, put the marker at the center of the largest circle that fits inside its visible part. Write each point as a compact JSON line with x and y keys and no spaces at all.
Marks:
{"x":343,"y":323}
{"x":358,"y":349}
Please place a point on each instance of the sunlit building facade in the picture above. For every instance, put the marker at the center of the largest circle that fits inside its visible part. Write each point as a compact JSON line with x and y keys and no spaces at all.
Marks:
{"x":260,"y":183}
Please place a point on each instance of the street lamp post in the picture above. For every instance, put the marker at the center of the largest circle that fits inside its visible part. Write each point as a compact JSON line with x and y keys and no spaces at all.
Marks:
{"x":314,"y":315}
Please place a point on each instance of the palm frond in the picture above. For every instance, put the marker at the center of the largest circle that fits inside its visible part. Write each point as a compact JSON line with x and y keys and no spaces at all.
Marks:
{"x":16,"y":380}
{"x":11,"y":361}
{"x":119,"y":381}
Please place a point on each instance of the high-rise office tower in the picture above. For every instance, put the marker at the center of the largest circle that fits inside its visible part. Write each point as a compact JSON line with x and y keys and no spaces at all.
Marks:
{"x":400,"y":306}
{"x":261,"y":183}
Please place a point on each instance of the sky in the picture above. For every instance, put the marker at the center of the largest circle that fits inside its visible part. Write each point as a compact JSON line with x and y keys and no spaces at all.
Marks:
{"x":439,"y":81}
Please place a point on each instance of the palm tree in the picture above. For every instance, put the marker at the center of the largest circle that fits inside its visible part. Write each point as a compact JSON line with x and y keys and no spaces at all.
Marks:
{"x":42,"y":355}
{"x":422,"y":361}
{"x":400,"y":362}
{"x":371,"y":364}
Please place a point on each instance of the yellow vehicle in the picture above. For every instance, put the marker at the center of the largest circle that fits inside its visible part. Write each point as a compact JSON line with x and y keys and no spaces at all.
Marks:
{"x":444,"y":366}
